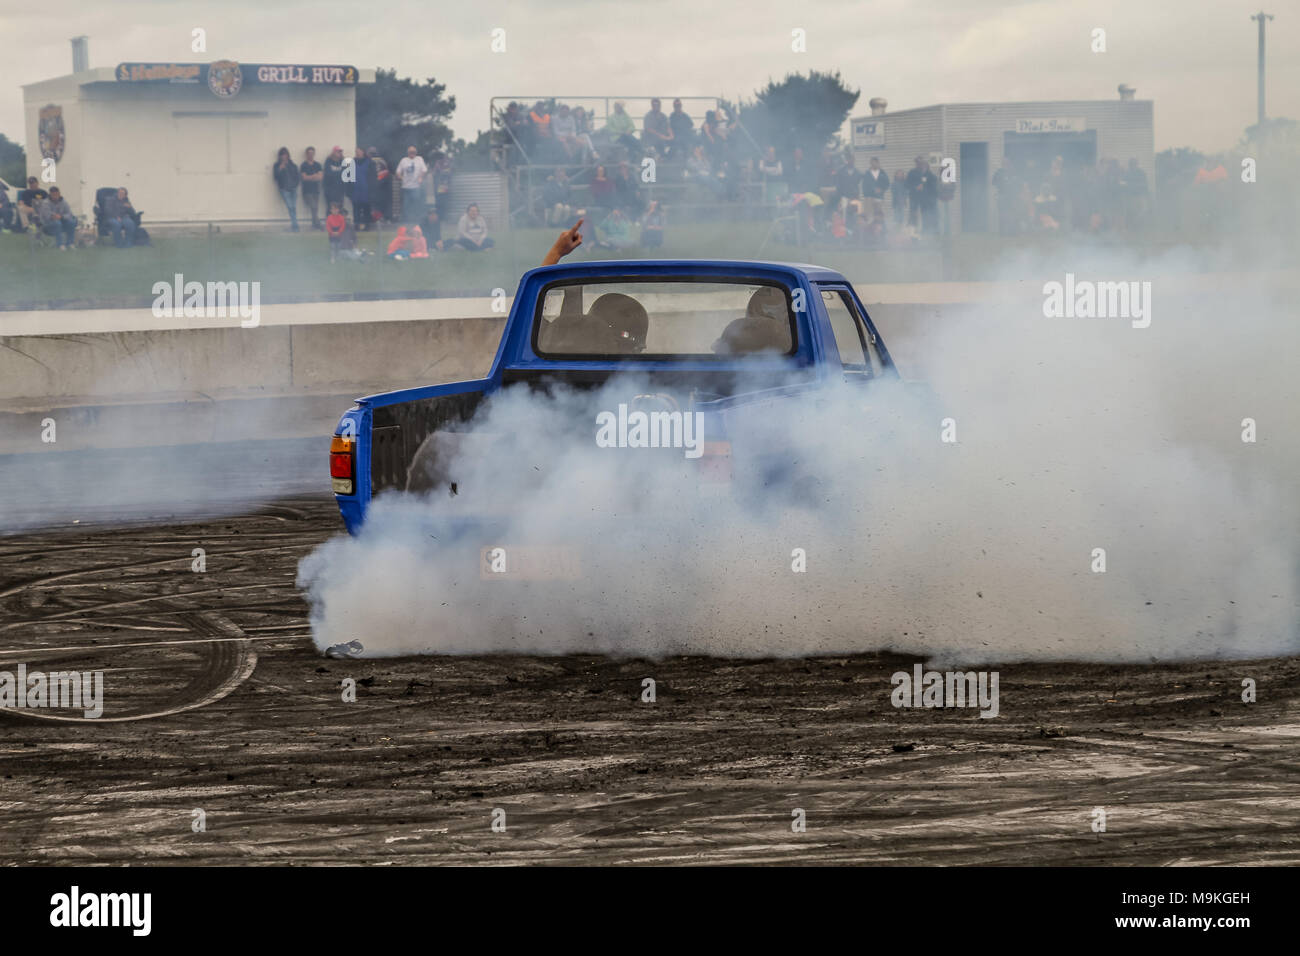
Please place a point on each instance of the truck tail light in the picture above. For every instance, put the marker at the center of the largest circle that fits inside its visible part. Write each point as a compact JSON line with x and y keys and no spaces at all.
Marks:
{"x":342,"y":464}
{"x":715,"y":461}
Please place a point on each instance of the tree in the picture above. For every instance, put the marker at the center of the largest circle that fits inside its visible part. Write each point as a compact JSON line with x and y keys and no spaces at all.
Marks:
{"x":1176,"y":168}
{"x":393,"y":114}
{"x":805,"y":111}
{"x":474,"y":156}
{"x":13,"y":162}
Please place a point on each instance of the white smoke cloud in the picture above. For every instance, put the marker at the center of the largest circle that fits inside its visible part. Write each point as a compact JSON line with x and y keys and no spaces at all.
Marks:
{"x":1072,"y":435}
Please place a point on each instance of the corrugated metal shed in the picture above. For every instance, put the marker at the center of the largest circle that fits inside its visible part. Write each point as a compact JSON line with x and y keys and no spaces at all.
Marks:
{"x":491,"y":193}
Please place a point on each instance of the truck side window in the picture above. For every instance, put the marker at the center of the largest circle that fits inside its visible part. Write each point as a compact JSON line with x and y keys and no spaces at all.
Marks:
{"x":856,"y":344}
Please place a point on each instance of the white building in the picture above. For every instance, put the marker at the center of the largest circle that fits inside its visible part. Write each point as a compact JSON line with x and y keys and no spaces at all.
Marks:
{"x":976,"y":136}
{"x":191,"y":141}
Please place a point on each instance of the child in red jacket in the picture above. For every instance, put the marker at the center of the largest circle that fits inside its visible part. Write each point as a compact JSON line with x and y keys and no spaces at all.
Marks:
{"x":335,"y":227}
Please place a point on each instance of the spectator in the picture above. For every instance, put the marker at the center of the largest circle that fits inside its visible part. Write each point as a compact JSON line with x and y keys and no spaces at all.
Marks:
{"x":431,"y":227}
{"x":602,"y":189}
{"x":875,"y":182}
{"x":565,"y":128}
{"x":1135,"y":193}
{"x":556,"y":208}
{"x":769,"y":167}
{"x":656,"y":133}
{"x":913,"y":181}
{"x":798,"y":174}
{"x":312,"y":175}
{"x":582,"y":123}
{"x":335,"y":226}
{"x":847,"y":180}
{"x":332,"y":180}
{"x":1004,"y":182}
{"x":286,"y":178}
{"x":616,"y":231}
{"x":120,"y":215}
{"x":382,"y":194}
{"x":700,"y":170}
{"x":400,"y":247}
{"x":627,"y":195}
{"x":652,"y":226}
{"x":411,"y":171}
{"x":545,"y":149}
{"x":363,"y":189}
{"x":619,"y":127}
{"x":57,"y":219}
{"x":419,"y":245}
{"x":472,"y":232}
{"x":518,"y":133}
{"x":898,"y":197}
{"x":28,"y":200}
{"x":928,"y":198}
{"x":540,"y":118}
{"x":442,"y":185}
{"x":683,"y":130}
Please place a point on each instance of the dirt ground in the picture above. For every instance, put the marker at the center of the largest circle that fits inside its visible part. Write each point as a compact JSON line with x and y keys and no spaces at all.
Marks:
{"x":222,"y":706}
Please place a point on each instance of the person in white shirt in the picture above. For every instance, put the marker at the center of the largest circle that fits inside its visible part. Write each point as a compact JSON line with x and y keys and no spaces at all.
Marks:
{"x":411,"y":171}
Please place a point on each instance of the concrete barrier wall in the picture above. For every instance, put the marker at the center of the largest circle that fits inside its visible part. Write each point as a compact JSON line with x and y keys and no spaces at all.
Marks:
{"x":155,"y":365}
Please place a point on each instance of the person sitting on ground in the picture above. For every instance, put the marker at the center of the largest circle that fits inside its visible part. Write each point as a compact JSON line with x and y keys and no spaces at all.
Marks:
{"x":335,"y":226}
{"x":652,"y":226}
{"x":57,"y":219}
{"x":616,"y":231}
{"x":121,"y":219}
{"x":419,"y":245}
{"x":400,"y":247}
{"x":472,"y":231}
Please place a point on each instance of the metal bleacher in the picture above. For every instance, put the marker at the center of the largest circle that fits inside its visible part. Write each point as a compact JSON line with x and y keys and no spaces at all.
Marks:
{"x":527,"y":167}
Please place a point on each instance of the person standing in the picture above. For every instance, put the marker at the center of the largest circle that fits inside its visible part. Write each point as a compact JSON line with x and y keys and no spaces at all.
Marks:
{"x":898,"y":197}
{"x":286,"y":178}
{"x":442,"y":186}
{"x":928,"y":193}
{"x":683,"y":130}
{"x":411,"y":171}
{"x":362,"y":190}
{"x":1004,"y":181}
{"x":333,"y":178}
{"x":913,"y":182}
{"x":312,"y":175}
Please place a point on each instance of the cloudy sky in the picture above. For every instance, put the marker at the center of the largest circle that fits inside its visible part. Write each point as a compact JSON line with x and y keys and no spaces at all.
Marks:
{"x":1194,"y":58}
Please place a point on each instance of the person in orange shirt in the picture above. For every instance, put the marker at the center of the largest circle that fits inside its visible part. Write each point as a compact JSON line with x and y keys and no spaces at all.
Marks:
{"x":335,"y":226}
{"x":1206,"y":174}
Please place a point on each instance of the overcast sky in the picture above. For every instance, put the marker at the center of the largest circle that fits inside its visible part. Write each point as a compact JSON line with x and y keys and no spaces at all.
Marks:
{"x":1195,"y":58}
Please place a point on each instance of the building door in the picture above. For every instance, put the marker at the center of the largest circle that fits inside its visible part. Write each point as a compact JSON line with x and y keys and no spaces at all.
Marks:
{"x":973,"y":185}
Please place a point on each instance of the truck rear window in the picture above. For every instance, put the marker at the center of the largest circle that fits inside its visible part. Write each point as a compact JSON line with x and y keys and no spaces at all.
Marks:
{"x":663,"y":319}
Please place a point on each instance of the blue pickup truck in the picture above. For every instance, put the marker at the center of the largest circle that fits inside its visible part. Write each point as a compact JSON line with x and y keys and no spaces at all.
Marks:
{"x":694,"y":339}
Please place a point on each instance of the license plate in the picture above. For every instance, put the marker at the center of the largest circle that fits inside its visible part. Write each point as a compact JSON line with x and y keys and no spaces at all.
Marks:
{"x":529,"y":563}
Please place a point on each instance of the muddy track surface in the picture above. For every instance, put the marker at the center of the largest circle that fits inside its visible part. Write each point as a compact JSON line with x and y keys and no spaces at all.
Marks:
{"x":215,"y":701}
